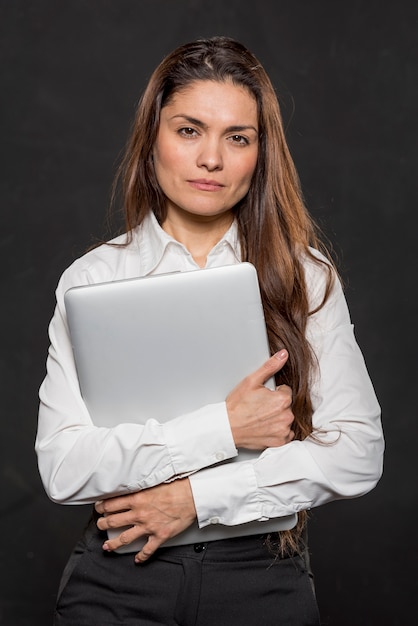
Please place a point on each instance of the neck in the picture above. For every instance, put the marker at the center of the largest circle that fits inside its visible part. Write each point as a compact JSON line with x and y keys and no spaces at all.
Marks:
{"x":199,"y":236}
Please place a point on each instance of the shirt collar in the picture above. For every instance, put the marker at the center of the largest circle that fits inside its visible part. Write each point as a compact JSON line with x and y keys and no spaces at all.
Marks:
{"x":153,"y":243}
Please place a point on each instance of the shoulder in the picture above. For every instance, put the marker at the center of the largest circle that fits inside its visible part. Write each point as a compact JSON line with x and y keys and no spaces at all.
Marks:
{"x":113,"y":260}
{"x":321,"y":278}
{"x":327,"y":302}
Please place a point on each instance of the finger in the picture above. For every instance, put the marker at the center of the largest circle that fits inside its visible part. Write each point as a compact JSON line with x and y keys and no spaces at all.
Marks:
{"x":115,"y":520}
{"x":285,"y":392}
{"x":112,"y":505}
{"x":125,"y":538}
{"x":269,"y":368}
{"x":148,"y":550}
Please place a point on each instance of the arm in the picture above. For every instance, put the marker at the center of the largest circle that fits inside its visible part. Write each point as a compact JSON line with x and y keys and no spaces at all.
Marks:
{"x":80,"y":463}
{"x":342,"y":460}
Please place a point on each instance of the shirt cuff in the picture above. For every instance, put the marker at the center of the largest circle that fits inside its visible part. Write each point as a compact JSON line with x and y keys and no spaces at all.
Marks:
{"x":227,"y":495}
{"x":199,"y":439}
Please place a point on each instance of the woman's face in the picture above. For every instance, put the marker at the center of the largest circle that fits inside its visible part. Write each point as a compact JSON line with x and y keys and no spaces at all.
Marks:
{"x":206,"y":150}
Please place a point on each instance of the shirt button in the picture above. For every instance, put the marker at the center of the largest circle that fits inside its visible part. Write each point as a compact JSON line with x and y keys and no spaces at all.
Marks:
{"x":220,"y":456}
{"x":199,"y":547}
{"x":214,"y":520}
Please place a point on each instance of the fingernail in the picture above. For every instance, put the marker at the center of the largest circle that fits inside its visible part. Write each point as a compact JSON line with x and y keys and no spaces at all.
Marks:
{"x":280,"y":355}
{"x":106,"y":547}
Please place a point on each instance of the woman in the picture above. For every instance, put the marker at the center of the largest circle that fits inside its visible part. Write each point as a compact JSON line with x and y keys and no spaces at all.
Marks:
{"x":208,"y":180}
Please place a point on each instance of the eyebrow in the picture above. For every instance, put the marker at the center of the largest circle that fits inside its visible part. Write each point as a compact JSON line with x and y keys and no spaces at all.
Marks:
{"x":230,"y":129}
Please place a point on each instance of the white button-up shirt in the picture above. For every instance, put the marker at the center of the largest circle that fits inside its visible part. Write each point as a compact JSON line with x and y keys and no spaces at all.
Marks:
{"x":81,"y":463}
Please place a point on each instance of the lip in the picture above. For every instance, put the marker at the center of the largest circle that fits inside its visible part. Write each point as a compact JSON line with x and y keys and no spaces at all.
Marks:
{"x":204,"y":184}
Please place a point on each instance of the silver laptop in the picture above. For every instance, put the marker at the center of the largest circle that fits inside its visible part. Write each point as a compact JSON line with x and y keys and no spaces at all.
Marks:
{"x":164,"y":345}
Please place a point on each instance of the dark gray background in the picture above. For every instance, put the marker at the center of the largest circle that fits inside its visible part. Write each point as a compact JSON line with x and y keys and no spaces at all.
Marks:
{"x":71,"y":73}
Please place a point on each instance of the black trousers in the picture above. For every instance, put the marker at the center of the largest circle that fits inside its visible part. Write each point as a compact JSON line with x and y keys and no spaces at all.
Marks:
{"x":234,"y":582}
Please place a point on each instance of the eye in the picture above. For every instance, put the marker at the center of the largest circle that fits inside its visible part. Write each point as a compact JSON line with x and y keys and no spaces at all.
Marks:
{"x":187,"y":131}
{"x":239,"y":139}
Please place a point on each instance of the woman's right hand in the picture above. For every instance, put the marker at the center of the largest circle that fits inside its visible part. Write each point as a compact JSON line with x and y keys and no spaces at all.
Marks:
{"x":259,"y":417}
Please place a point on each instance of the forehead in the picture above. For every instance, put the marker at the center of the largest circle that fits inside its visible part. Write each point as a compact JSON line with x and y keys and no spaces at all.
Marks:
{"x":222,"y":97}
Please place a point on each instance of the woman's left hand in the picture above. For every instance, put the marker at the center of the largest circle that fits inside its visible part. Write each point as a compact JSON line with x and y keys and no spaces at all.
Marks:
{"x":157,"y":514}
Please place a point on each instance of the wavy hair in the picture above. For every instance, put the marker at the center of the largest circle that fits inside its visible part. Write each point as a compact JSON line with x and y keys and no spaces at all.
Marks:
{"x":274,"y":227}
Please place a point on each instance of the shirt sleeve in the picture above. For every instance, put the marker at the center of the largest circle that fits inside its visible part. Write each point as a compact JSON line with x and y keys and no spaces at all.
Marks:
{"x":80,"y":463}
{"x":343,"y":457}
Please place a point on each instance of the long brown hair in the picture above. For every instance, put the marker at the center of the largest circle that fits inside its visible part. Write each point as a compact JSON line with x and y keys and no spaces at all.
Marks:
{"x":275,"y":228}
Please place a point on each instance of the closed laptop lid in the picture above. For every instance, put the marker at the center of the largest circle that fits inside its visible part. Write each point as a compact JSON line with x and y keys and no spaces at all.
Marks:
{"x":165,"y":345}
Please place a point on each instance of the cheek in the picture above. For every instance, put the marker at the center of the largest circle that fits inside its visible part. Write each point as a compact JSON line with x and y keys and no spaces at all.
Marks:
{"x":167,"y":162}
{"x":161,"y":168}
{"x":247,"y":171}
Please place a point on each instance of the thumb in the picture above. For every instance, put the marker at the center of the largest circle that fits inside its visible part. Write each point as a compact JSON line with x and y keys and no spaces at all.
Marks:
{"x":269,"y":368}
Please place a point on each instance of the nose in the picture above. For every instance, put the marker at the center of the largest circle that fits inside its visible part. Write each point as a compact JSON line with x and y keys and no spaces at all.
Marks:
{"x":210,"y":155}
